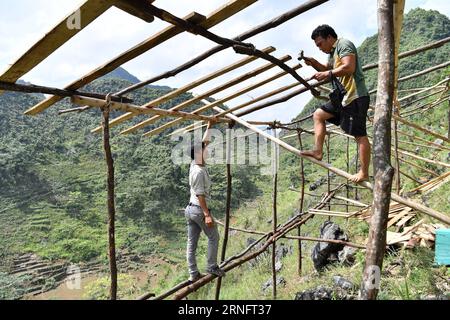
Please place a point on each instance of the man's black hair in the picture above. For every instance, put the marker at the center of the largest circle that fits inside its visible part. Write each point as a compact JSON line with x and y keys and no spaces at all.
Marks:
{"x":323,"y":31}
{"x":196,"y":147}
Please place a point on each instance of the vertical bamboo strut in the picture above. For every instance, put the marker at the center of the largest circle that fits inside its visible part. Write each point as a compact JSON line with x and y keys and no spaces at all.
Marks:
{"x":274,"y":211}
{"x":348,"y":170}
{"x":110,"y":201}
{"x":383,"y":171}
{"x":356,"y":168}
{"x":228,"y":207}
{"x":301,"y":202}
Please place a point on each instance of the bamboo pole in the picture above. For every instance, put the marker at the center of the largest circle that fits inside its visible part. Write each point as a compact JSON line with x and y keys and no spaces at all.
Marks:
{"x":209,"y":93}
{"x":177,"y":92}
{"x":426,"y":107}
{"x":274,"y":212}
{"x":383,"y":171}
{"x":110,"y":202}
{"x":348,"y":169}
{"x":417,"y":206}
{"x":328,"y":172}
{"x":301,"y":203}
{"x":228,"y":207}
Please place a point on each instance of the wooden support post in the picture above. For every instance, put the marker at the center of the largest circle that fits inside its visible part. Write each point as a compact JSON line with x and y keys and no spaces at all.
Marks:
{"x":383,"y":170}
{"x":274,"y":212}
{"x":229,"y":144}
{"x":301,"y":203}
{"x":110,"y":202}
{"x":397,"y":161}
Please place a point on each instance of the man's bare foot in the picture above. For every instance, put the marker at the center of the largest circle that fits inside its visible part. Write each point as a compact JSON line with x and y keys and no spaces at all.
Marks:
{"x":359,"y":177}
{"x":316,"y":154}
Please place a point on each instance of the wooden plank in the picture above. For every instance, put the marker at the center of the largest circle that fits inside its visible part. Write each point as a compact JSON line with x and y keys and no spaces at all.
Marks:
{"x":217,"y":102}
{"x":184,"y":89}
{"x":209,"y":93}
{"x":216,"y":17}
{"x":55,"y":38}
{"x":98,"y":103}
{"x":136,"y":8}
{"x":397,"y":217}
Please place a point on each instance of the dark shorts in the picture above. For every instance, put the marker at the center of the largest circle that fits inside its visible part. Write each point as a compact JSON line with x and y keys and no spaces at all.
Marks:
{"x":351,"y":118}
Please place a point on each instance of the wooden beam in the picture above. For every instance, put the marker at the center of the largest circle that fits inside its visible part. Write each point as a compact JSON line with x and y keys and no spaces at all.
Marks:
{"x":55,"y":38}
{"x":213,"y":19}
{"x":238,"y":46}
{"x":207,"y":94}
{"x":210,"y":105}
{"x":186,"y":88}
{"x":30,"y":88}
{"x":82,"y":101}
{"x":136,"y":8}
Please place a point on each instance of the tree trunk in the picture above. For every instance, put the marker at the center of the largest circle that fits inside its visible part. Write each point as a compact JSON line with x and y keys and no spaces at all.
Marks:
{"x":383,"y":171}
{"x":111,"y":205}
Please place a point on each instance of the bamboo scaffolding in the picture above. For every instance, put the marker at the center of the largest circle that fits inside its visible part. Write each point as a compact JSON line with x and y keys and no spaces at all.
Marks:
{"x":208,"y":93}
{"x":175,"y":93}
{"x":426,"y":107}
{"x":210,"y":105}
{"x":274,"y":213}
{"x":447,"y":79}
{"x":213,"y":19}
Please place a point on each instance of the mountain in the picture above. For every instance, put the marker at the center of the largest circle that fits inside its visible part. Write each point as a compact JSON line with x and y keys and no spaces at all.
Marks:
{"x":122,"y":74}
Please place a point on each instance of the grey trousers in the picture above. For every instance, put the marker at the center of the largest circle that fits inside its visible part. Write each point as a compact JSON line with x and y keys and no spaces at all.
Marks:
{"x":195,"y":224}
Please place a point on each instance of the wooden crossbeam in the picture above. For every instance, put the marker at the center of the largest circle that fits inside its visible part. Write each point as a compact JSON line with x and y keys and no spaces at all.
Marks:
{"x":209,"y":106}
{"x":98,"y":103}
{"x":213,"y":19}
{"x":250,"y":102}
{"x":55,"y":38}
{"x":415,"y":126}
{"x":184,"y":89}
{"x":209,"y":93}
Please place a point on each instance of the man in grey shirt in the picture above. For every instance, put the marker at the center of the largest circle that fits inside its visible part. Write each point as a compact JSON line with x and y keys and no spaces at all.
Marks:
{"x":197,"y":213}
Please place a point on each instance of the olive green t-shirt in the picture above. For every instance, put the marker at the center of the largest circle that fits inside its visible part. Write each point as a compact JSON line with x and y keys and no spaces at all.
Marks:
{"x":354,"y":83}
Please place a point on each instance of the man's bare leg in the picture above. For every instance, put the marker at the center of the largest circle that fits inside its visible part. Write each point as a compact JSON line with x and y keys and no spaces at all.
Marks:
{"x":320,"y":116}
{"x":364,"y":158}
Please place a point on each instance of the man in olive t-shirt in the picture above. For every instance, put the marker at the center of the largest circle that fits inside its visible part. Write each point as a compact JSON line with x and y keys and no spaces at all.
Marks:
{"x":343,"y":63}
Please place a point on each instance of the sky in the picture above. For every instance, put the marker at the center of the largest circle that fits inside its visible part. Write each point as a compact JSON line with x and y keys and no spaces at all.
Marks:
{"x":23,"y":22}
